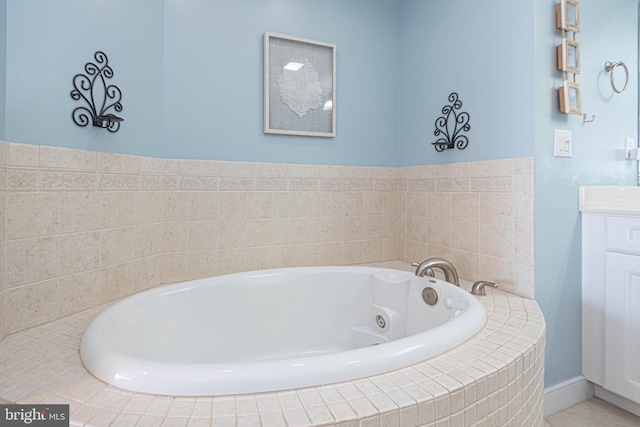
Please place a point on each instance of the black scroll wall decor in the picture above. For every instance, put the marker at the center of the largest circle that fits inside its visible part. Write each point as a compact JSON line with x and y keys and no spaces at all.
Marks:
{"x":450,"y":126}
{"x":99,"y":97}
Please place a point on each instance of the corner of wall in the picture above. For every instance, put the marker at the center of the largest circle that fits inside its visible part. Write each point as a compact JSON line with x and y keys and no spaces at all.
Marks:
{"x":3,"y":216}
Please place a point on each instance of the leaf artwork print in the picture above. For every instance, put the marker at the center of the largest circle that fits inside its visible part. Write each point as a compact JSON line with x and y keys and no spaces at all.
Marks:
{"x":300,"y":90}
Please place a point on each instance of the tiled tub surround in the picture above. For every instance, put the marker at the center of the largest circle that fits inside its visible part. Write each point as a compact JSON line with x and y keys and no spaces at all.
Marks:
{"x":493,"y":379}
{"x":84,"y":228}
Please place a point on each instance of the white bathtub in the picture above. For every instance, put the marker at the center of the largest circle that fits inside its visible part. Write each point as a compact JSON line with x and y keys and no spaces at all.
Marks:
{"x":274,"y":330}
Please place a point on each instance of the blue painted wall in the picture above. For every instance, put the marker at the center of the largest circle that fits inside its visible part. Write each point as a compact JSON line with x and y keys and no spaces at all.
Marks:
{"x":609,"y":32}
{"x":48,"y":42}
{"x":191,"y":76}
{"x":3,"y":64}
{"x":483,"y":50}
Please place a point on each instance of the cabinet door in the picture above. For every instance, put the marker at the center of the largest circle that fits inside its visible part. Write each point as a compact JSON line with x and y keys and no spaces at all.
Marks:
{"x":622,"y":354}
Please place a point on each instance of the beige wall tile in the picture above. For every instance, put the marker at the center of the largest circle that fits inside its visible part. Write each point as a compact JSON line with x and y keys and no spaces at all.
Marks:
{"x":374,"y":226}
{"x":67,"y":158}
{"x":523,"y":243}
{"x":270,"y":257}
{"x":147,"y":207}
{"x":79,"y":211}
{"x":147,"y":240}
{"x":203,"y":263}
{"x":67,"y":181}
{"x":272,"y":184}
{"x":439,"y":206}
{"x":79,"y":252}
{"x":116,"y":281}
{"x":417,"y":228}
{"x":416,"y":204}
{"x":373,"y":250}
{"x":114,"y":162}
{"x":496,"y":208}
{"x":501,"y":167}
{"x":33,"y":305}
{"x":353,"y":204}
{"x":203,"y":206}
{"x":3,"y":273}
{"x":439,"y":232}
{"x":198,"y":167}
{"x":198,"y":182}
{"x":160,"y":166}
{"x":175,"y":236}
{"x":233,"y":234}
{"x":79,"y":291}
{"x":232,"y":205}
{"x":4,"y":153}
{"x":147,"y":273}
{"x":465,"y":207}
{"x":283,"y":204}
{"x":116,"y":209}
{"x":465,"y":236}
{"x":467,"y":264}
{"x":492,"y":184}
{"x":496,"y":241}
{"x":32,"y":260}
{"x":203,"y":235}
{"x":444,"y":185}
{"x":31,"y":215}
{"x":373,"y":203}
{"x":352,"y":228}
{"x":118,"y":182}
{"x":116,"y":245}
{"x":22,"y":179}
{"x":353,"y":252}
{"x":233,"y":261}
{"x":23,"y":155}
{"x":271,"y":232}
{"x":259,"y":205}
{"x":158,"y":182}
{"x":497,"y":270}
{"x":175,"y":267}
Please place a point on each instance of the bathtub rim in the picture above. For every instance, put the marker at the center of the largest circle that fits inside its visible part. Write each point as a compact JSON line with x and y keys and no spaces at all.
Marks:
{"x":101,"y":360}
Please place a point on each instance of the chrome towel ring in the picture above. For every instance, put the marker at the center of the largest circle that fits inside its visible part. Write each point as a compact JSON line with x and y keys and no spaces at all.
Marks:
{"x":610,"y":68}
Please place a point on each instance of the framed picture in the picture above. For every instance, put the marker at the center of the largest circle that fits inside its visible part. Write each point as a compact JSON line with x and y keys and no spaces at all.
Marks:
{"x":568,"y":15}
{"x":569,"y":56}
{"x":299,"y":86}
{"x":570,"y":98}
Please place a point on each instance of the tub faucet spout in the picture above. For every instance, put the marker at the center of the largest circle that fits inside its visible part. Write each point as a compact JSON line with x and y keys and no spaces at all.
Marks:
{"x":450,"y":272}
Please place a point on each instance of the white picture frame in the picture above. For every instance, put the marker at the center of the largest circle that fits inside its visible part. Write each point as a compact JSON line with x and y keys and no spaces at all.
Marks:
{"x":299,"y":86}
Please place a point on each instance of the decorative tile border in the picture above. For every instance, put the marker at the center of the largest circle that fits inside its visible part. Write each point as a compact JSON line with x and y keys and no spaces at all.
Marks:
{"x":495,"y":378}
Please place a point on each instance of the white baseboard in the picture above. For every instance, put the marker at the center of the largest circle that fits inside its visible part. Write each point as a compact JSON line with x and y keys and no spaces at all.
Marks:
{"x":619,"y":401}
{"x":561,"y":396}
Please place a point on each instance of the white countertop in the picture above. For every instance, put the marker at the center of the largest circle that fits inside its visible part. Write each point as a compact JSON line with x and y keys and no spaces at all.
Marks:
{"x":618,"y":199}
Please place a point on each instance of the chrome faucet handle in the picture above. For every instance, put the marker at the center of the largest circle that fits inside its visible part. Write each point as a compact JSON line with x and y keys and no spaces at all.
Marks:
{"x":478,"y":287}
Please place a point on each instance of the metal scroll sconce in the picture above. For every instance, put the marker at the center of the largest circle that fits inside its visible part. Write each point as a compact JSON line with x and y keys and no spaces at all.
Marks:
{"x":92,"y":88}
{"x":450,"y":125}
{"x":610,"y":67}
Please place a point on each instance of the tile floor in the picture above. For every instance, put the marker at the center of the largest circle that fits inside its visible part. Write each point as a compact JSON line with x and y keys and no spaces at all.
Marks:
{"x":593,"y":413}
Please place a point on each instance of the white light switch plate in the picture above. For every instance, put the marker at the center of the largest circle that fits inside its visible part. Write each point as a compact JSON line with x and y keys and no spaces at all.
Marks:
{"x":562,"y":143}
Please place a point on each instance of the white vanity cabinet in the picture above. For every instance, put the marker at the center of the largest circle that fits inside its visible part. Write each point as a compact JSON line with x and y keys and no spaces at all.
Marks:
{"x":611,"y":300}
